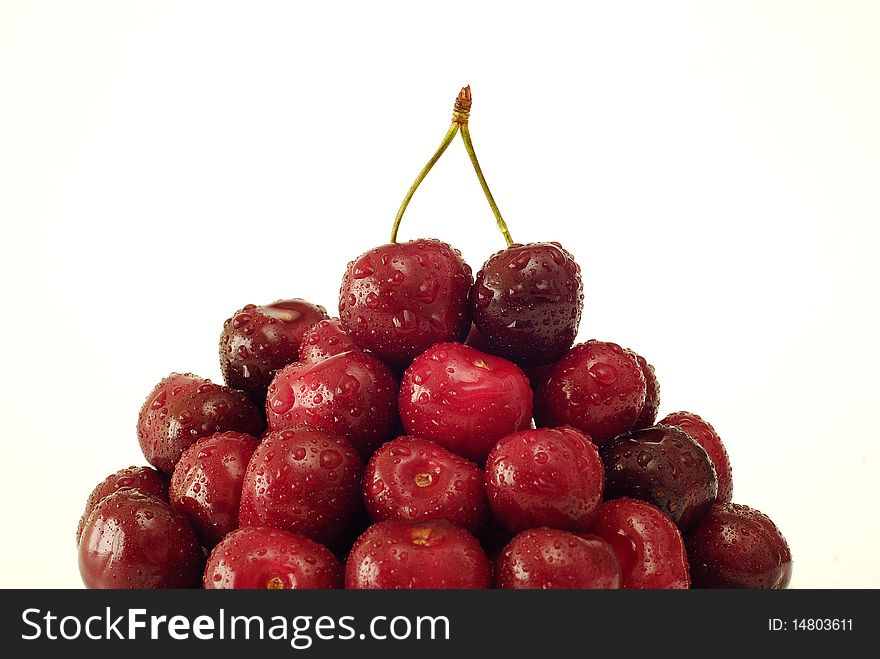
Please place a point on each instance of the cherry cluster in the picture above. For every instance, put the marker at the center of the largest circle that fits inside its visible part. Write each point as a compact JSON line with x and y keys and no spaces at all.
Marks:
{"x":442,"y":432}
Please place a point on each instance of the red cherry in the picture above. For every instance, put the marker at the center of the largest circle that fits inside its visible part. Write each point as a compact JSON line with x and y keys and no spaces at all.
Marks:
{"x":648,"y":415}
{"x":417,"y":555}
{"x":545,"y":558}
{"x":546,"y":477}
{"x":399,"y":299}
{"x":257,"y":341}
{"x":143,"y":479}
{"x":527,"y":302}
{"x":304,"y":481}
{"x":206,"y":484}
{"x":352,"y":394}
{"x":325,"y":339}
{"x":596,"y":387}
{"x":134,"y":540}
{"x":647,"y":543}
{"x":736,"y":546}
{"x":411,"y":478}
{"x":704,"y":434}
{"x":183,"y":408}
{"x":260,"y":557}
{"x":464,"y":399}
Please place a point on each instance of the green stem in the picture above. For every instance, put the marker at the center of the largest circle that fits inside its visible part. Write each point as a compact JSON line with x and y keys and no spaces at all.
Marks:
{"x":469,"y":147}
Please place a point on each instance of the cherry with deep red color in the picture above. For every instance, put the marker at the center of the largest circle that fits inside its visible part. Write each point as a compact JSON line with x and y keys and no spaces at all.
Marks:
{"x":551,"y":559}
{"x":351,"y":394}
{"x":263,"y":558}
{"x":411,"y":478}
{"x":399,"y":299}
{"x":206,"y":484}
{"x":134,"y":540}
{"x":258,"y":340}
{"x":325,"y":339}
{"x":545,"y":477}
{"x":183,"y":408}
{"x":303,"y":481}
{"x":464,"y":399}
{"x":398,"y":554}
{"x":735,"y":546}
{"x":527,"y":302}
{"x":596,"y":387}
{"x":664,"y":466}
{"x":143,"y":479}
{"x":704,"y":434}
{"x":648,"y":415}
{"x":648,"y":545}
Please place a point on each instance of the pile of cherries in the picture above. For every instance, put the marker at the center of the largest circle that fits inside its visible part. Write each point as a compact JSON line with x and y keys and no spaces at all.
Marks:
{"x":442,"y":432}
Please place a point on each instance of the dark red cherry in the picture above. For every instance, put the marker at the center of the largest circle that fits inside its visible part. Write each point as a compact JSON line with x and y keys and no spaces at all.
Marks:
{"x":143,"y":479}
{"x":399,"y":299}
{"x":648,"y":415}
{"x":260,"y":557}
{"x":735,"y":546}
{"x":134,"y":540}
{"x":411,"y":478}
{"x":351,"y":394}
{"x":664,"y":466}
{"x":258,"y":340}
{"x":183,"y":408}
{"x":547,"y":559}
{"x":648,"y":545}
{"x":704,"y":434}
{"x":325,"y":339}
{"x":416,"y":555}
{"x":464,"y":399}
{"x":546,"y":477}
{"x":304,"y":481}
{"x":206,"y":484}
{"x":596,"y":387}
{"x":527,"y":302}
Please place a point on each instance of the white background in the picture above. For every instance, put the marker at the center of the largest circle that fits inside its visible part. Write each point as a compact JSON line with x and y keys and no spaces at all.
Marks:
{"x":714,"y":167}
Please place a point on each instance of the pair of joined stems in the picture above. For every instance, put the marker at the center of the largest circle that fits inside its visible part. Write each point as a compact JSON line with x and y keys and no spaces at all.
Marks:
{"x":460,"y":117}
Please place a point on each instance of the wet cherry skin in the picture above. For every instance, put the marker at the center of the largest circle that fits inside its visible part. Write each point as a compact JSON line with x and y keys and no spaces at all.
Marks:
{"x":648,"y":415}
{"x":704,"y":434}
{"x":260,"y":557}
{"x":325,"y":339}
{"x":399,"y":554}
{"x":399,"y":299}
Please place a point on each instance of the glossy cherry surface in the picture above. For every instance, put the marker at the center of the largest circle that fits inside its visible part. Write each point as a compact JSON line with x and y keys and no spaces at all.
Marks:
{"x":648,"y":415}
{"x":464,"y":399}
{"x":325,"y":339}
{"x":258,"y":340}
{"x":399,"y":299}
{"x":206,"y":484}
{"x":183,"y":408}
{"x":411,"y":478}
{"x":416,"y":555}
{"x":704,"y":434}
{"x":260,"y":557}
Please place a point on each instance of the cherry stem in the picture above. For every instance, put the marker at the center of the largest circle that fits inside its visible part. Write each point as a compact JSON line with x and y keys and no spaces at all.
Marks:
{"x":469,"y":147}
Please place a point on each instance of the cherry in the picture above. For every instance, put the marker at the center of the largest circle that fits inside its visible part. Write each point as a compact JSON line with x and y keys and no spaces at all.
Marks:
{"x":304,"y":481}
{"x":206,"y":484}
{"x":399,"y":554}
{"x":260,"y":557}
{"x":411,"y":478}
{"x":735,"y":546}
{"x":704,"y":434}
{"x":647,"y":543}
{"x":664,"y":466}
{"x":545,"y":558}
{"x":351,"y":394}
{"x":464,"y":399}
{"x":648,"y":415}
{"x":257,"y":341}
{"x":183,"y":408}
{"x":325,"y":339}
{"x":597,"y":387}
{"x":527,"y":302}
{"x":134,"y":540}
{"x":144,"y":479}
{"x":546,"y":477}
